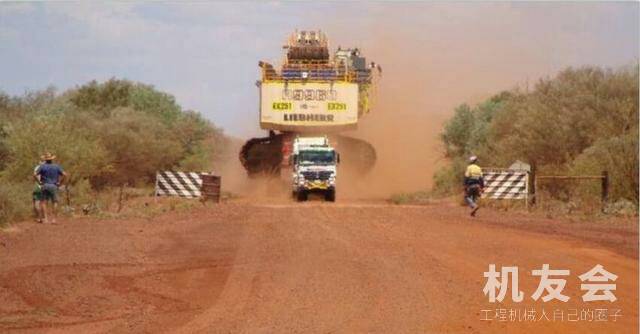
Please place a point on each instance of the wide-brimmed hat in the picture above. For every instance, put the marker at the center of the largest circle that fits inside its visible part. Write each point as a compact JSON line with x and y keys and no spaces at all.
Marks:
{"x":48,"y":156}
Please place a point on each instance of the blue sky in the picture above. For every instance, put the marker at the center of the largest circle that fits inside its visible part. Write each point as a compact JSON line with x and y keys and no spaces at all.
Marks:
{"x":206,"y":54}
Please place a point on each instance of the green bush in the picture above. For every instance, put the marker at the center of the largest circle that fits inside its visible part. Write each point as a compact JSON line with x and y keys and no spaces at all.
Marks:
{"x":619,"y":157}
{"x":582,"y":121}
{"x":448,"y":180}
{"x":107,"y":136}
{"x":15,"y":202}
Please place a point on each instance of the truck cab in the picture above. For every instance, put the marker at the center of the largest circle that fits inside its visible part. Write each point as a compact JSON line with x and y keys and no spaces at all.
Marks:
{"x":314,"y":168}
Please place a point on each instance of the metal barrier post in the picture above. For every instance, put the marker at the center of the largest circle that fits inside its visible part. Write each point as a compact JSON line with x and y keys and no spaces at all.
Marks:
{"x":605,"y":189}
{"x":210,"y":189}
{"x":536,"y":194}
{"x":155,"y":191}
{"x":526,"y":192}
{"x":534,"y":185}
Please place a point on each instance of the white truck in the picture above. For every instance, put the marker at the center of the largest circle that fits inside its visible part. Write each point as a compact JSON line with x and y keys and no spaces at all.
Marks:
{"x":314,"y":168}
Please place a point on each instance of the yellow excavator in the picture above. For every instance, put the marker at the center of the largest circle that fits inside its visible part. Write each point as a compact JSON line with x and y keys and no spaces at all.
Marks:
{"x":313,"y":93}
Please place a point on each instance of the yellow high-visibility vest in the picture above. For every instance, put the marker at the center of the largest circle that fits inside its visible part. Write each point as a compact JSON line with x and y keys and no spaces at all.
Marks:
{"x":473,"y":172}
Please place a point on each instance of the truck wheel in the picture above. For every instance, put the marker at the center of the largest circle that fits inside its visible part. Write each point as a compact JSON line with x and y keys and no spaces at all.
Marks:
{"x":302,"y":196}
{"x":330,"y":196}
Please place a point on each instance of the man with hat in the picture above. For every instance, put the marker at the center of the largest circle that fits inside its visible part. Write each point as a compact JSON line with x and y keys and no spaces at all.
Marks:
{"x":473,"y":184}
{"x":50,"y":176}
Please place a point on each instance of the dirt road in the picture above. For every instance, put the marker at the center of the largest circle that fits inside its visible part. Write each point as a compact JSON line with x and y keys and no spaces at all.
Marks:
{"x":315,"y":267}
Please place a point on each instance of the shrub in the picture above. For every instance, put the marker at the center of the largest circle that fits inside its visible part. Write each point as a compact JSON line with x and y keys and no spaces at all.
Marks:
{"x":15,"y":201}
{"x":582,"y":121}
{"x":107,"y":136}
{"x":618,"y":156}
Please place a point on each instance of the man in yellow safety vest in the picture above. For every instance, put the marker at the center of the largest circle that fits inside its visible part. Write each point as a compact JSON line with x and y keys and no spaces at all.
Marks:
{"x":473,"y":184}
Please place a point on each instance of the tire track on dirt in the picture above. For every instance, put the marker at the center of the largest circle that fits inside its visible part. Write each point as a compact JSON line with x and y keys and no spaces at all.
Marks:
{"x":284,"y":267}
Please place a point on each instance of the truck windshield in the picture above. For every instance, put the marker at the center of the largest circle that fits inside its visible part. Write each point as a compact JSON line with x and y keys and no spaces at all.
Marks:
{"x":317,"y":157}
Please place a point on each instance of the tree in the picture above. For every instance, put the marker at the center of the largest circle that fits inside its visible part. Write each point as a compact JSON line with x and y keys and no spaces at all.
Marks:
{"x":582,"y":119}
{"x":618,"y":156}
{"x":112,"y":134}
{"x":457,"y":132}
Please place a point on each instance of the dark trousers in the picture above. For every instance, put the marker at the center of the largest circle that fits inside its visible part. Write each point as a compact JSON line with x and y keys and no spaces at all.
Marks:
{"x":472,"y":193}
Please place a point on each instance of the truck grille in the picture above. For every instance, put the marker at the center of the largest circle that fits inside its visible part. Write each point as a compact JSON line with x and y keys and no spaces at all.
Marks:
{"x":321,"y":175}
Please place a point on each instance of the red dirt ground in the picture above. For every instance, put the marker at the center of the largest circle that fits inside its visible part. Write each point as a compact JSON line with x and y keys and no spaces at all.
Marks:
{"x":253,"y":267}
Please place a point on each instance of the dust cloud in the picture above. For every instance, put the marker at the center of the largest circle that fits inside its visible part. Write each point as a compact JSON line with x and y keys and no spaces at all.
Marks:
{"x":236,"y":182}
{"x":435,"y":57}
{"x":410,"y":106}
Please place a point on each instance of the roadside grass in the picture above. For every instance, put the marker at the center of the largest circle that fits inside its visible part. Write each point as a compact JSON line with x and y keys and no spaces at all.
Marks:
{"x":141,"y":203}
{"x":416,"y":198}
{"x":108,"y":204}
{"x":576,"y":208}
{"x":15,"y":202}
